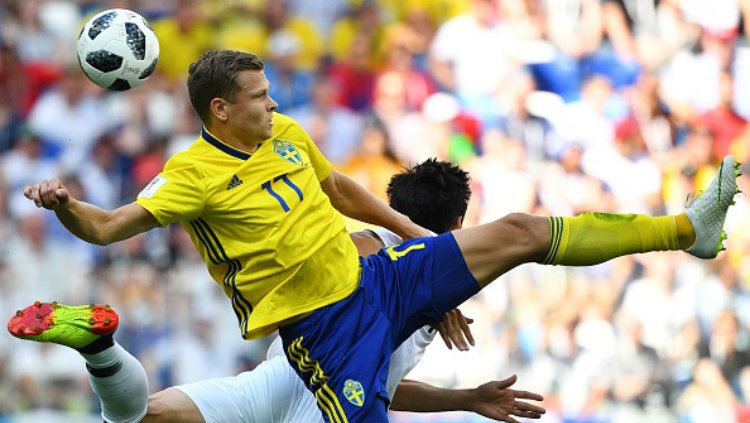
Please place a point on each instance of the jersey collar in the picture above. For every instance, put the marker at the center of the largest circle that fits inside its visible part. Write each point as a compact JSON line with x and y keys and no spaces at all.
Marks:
{"x":223,"y":147}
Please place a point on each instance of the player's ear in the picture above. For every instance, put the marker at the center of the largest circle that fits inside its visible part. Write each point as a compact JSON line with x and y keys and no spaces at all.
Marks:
{"x":458,"y":223}
{"x":219,"y":109}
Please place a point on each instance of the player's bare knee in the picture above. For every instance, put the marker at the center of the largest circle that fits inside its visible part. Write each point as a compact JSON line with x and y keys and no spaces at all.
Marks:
{"x":172,"y":405}
{"x":158,"y":409}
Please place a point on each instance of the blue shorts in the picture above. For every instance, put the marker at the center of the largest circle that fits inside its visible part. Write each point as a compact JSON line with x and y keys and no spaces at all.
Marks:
{"x":342,"y":351}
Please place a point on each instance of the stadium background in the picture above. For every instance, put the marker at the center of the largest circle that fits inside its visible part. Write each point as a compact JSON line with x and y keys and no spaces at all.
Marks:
{"x":554,"y":106}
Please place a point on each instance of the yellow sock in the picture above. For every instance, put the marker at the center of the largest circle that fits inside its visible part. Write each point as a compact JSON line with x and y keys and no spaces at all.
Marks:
{"x":592,"y":238}
{"x":685,"y":232}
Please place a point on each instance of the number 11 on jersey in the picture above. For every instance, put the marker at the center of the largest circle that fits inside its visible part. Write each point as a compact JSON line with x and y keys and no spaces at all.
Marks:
{"x":268,"y":186}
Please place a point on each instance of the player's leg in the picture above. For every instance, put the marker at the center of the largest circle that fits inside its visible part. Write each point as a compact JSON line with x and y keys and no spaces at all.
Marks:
{"x":271,"y":392}
{"x":115,"y":375}
{"x":590,"y":238}
{"x":342,"y":352}
{"x":171,"y":406}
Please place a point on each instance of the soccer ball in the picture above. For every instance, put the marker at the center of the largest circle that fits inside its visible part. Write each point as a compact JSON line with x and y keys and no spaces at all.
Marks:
{"x":117,"y":49}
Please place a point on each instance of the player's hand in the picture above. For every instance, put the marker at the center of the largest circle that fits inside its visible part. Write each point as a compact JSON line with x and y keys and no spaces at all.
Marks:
{"x":49,"y":194}
{"x":454,"y":329}
{"x":496,"y":400}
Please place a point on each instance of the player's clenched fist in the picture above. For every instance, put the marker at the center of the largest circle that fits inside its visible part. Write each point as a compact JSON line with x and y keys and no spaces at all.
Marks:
{"x":49,"y":194}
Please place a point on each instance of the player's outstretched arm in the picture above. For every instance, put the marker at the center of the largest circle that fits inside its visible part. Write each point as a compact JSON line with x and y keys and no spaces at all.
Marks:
{"x":351,"y":199}
{"x":495,"y":400}
{"x":86,"y":221}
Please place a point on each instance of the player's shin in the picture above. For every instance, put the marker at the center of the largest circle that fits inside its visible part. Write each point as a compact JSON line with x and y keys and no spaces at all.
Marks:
{"x":116,"y":376}
{"x":120,"y":382}
{"x":592,"y":238}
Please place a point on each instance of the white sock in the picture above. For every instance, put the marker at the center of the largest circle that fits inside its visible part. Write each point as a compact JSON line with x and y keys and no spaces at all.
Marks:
{"x":119,"y":380}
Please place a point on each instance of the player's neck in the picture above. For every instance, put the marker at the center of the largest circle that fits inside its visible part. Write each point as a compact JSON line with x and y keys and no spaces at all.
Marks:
{"x":227,"y":137}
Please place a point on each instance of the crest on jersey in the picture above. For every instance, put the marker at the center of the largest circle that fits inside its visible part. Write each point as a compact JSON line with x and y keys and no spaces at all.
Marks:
{"x":354,"y":392}
{"x":287,"y":151}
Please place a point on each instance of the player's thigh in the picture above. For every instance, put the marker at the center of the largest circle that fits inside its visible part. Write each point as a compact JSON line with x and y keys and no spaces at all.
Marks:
{"x":342,"y":352}
{"x":496,"y":247}
{"x":172,"y":405}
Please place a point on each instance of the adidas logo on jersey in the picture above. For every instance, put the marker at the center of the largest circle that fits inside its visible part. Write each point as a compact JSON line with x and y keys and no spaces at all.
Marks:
{"x":234,"y":183}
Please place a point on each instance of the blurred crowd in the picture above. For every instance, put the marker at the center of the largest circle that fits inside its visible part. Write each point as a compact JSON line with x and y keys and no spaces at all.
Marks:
{"x":554,"y":106}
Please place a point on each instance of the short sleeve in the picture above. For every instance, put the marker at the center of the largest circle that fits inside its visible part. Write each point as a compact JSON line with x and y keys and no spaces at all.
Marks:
{"x":177,"y":194}
{"x":320,"y":164}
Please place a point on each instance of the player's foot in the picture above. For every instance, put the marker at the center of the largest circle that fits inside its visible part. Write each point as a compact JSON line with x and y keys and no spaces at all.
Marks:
{"x":72,"y":326}
{"x":708,"y":211}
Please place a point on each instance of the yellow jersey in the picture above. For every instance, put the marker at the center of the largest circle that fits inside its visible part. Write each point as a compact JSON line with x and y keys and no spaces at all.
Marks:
{"x":266,"y":230}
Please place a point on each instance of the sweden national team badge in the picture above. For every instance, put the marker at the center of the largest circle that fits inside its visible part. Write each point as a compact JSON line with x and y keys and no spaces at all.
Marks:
{"x":287,"y":151}
{"x":354,"y":392}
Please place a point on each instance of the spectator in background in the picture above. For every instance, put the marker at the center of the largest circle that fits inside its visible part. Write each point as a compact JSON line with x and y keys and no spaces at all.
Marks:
{"x":102,"y":173}
{"x":524,"y":120}
{"x":20,"y":165}
{"x":706,"y":64}
{"x":647,"y":300}
{"x":276,"y":17}
{"x":374,"y":163}
{"x":335,"y":129}
{"x":725,"y":348}
{"x":33,"y":244}
{"x":69,"y":118}
{"x":23,"y":81}
{"x":323,"y":14}
{"x":199,"y":344}
{"x":659,"y":129}
{"x":249,"y":25}
{"x":708,"y":398}
{"x":697,"y":155}
{"x":33,"y":31}
{"x":290,"y":87}
{"x":421,"y":17}
{"x":363,"y":21}
{"x":722,"y":120}
{"x":573,"y":31}
{"x":504,"y":185}
{"x":616,"y":163}
{"x":449,"y":131}
{"x":147,"y":164}
{"x":435,"y":11}
{"x":401,"y":43}
{"x":638,"y":375}
{"x":641,"y":33}
{"x":460,"y":61}
{"x":353,"y":76}
{"x":177,"y":53}
{"x":564,"y":189}
{"x":585,"y":121}
{"x":408,"y":130}
{"x":585,"y":387}
{"x":720,"y":291}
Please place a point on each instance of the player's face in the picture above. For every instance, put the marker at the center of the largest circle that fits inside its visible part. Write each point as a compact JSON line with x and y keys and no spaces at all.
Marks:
{"x":250,"y":115}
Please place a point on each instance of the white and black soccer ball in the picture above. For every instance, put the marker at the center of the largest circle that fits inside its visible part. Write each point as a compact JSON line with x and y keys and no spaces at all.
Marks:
{"x":117,"y":49}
